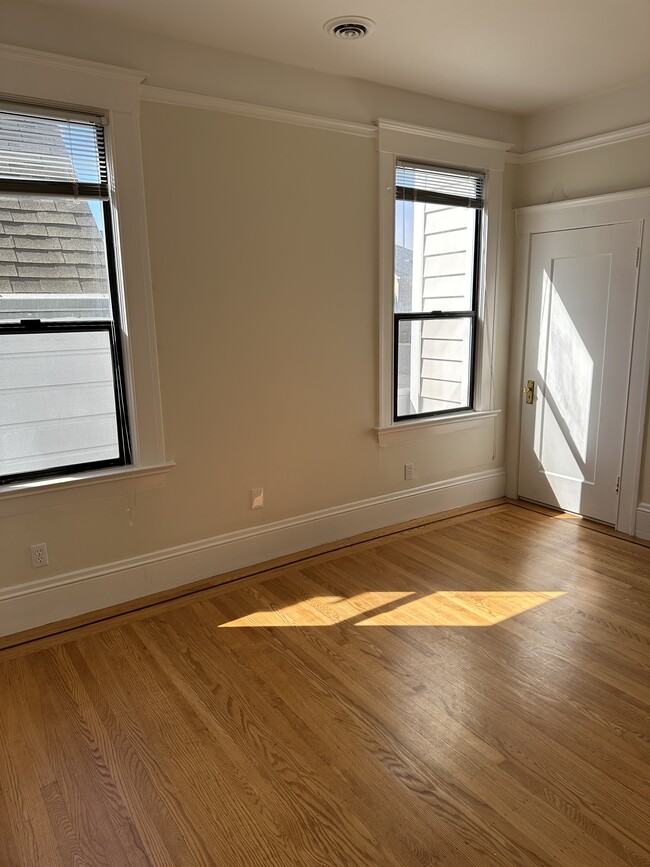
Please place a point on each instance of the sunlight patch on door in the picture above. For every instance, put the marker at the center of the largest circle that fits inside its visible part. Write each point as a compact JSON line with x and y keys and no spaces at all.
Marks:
{"x":567,"y":371}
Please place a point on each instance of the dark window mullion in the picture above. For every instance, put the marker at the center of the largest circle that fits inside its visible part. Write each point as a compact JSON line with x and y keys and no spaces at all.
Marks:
{"x":53,"y":189}
{"x":120,"y":385}
{"x":437,"y":314}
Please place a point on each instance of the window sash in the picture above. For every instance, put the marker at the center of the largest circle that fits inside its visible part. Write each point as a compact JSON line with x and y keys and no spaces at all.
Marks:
{"x":472,"y":317}
{"x":82,"y":174}
{"x":32,"y":327}
{"x":457,"y":188}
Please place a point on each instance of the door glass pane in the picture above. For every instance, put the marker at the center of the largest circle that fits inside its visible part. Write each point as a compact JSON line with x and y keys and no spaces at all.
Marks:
{"x":57,"y":401}
{"x":433,"y":365}
{"x":52,"y":259}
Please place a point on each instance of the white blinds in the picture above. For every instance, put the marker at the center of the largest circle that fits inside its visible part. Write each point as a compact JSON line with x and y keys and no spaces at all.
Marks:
{"x":52,"y":156}
{"x":439,"y":185}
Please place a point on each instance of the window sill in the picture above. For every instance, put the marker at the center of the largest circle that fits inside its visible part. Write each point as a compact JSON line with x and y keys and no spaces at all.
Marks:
{"x":145,"y":477}
{"x":401,"y":432}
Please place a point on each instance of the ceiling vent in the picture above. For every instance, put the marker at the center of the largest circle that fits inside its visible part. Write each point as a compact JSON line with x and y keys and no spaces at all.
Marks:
{"x":349,"y":28}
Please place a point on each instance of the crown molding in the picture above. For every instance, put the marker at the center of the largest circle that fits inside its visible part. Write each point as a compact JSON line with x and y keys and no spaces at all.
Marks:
{"x":74,"y":64}
{"x":583,"y":144}
{"x":531,"y":211}
{"x":150,"y":93}
{"x":443,"y":135}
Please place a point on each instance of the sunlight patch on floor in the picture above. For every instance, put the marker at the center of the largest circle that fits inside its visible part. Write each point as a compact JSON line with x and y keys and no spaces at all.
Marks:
{"x":443,"y":608}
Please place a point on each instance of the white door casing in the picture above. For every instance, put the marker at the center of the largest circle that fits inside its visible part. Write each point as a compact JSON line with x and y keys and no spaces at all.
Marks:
{"x":580,"y":323}
{"x":626,"y":206}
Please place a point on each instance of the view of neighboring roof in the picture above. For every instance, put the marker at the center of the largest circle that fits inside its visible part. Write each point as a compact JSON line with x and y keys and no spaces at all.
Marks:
{"x":52,"y":250}
{"x":50,"y":246}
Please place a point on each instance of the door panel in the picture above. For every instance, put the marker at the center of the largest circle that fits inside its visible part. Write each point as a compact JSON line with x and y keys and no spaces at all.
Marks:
{"x":581,"y":301}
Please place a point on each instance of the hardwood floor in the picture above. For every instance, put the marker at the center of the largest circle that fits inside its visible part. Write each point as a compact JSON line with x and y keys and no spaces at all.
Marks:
{"x":470,"y":692}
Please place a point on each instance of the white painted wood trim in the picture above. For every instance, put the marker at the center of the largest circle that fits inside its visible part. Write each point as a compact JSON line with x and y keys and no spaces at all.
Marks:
{"x":167,"y":96}
{"x":633,"y":205}
{"x":35,"y":76}
{"x":42,"y":487}
{"x":401,"y":140}
{"x":402,"y":432}
{"x":516,"y":375}
{"x":61,"y":61}
{"x":443,"y":135}
{"x":579,"y":145}
{"x":643,"y":521}
{"x":62,"y":596}
{"x":386,"y":285}
{"x":620,"y":207}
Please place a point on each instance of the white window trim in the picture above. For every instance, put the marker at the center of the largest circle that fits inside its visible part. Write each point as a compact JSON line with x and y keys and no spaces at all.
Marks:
{"x":51,"y":79}
{"x":438,"y":147}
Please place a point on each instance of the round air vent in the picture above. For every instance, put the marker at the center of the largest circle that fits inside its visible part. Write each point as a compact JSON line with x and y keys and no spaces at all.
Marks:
{"x":349,"y":28}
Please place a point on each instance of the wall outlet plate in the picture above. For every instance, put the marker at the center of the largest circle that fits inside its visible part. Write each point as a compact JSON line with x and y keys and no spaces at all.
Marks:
{"x":408,"y":472}
{"x":257,"y":498}
{"x":39,"y":555}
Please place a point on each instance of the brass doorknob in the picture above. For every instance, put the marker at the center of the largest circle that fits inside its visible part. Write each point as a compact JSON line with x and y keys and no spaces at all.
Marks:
{"x":529,"y":391}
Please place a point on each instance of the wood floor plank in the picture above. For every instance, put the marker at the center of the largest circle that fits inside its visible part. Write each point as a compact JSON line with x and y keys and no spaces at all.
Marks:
{"x":472,"y":692}
{"x":459,"y":771}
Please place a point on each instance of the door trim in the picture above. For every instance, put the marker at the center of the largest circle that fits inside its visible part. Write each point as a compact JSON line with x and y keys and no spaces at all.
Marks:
{"x":628,"y":206}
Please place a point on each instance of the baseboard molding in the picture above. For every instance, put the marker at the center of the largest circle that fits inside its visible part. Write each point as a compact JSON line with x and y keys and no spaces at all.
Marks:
{"x":643,"y":521}
{"x":49,"y":600}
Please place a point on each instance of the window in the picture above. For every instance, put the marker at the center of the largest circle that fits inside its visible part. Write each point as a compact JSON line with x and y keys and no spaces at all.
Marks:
{"x":438,"y":220}
{"x":62,"y":389}
{"x":422,"y":394}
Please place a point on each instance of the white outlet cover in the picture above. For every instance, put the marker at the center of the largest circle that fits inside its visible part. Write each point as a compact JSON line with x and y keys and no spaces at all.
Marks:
{"x":39,"y":555}
{"x":257,"y":498}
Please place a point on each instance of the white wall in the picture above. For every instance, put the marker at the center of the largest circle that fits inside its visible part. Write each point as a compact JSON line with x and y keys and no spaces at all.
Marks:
{"x":263,"y":243}
{"x":264,"y":255}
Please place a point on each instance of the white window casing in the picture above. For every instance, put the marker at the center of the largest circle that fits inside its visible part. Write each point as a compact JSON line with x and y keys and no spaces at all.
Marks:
{"x":436,"y":147}
{"x":39,"y":78}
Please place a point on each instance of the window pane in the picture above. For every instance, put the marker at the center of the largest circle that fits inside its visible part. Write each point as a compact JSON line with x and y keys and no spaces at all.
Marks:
{"x":52,"y":259}
{"x":434,"y":257}
{"x":57,"y":401}
{"x":433,"y":371}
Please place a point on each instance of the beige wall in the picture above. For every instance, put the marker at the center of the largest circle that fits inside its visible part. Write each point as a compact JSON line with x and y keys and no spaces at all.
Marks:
{"x":617,"y":167}
{"x":263,"y":242}
{"x":621,"y":166}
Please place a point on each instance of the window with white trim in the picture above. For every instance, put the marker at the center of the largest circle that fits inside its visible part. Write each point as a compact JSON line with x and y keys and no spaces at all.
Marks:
{"x":439,"y":164}
{"x":62,"y":388}
{"x":437,"y":258}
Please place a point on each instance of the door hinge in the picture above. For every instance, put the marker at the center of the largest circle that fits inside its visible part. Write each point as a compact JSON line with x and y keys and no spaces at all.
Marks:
{"x":618,"y":484}
{"x":638,"y":256}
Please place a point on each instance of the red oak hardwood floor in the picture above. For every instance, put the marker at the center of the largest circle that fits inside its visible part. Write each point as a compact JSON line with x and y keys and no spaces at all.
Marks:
{"x":473,"y":691}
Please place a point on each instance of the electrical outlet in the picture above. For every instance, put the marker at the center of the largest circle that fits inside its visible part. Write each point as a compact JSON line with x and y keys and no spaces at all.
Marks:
{"x":408,"y":472}
{"x":39,"y":555}
{"x":257,"y":498}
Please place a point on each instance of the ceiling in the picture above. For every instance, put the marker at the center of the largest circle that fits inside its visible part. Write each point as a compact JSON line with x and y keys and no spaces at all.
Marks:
{"x":515,"y":55}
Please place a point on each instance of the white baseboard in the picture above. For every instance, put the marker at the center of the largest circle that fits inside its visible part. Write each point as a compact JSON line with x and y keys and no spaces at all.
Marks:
{"x":643,"y":521}
{"x":59,"y":597}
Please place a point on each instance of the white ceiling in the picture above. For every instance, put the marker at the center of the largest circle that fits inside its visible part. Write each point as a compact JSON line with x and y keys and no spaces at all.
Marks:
{"x":513,"y":55}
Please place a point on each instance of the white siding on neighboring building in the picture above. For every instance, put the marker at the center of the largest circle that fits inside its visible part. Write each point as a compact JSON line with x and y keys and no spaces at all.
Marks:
{"x":57,"y":404}
{"x":443,"y":261}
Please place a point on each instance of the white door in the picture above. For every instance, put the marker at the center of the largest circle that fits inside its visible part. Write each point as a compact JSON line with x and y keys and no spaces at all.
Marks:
{"x":581,"y":302}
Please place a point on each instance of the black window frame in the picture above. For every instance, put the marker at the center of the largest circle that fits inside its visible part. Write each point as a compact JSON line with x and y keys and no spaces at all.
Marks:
{"x":437,"y":315}
{"x":29,"y":326}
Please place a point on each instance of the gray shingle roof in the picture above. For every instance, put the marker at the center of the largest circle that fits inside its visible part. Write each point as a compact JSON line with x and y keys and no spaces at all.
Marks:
{"x":50,"y":246}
